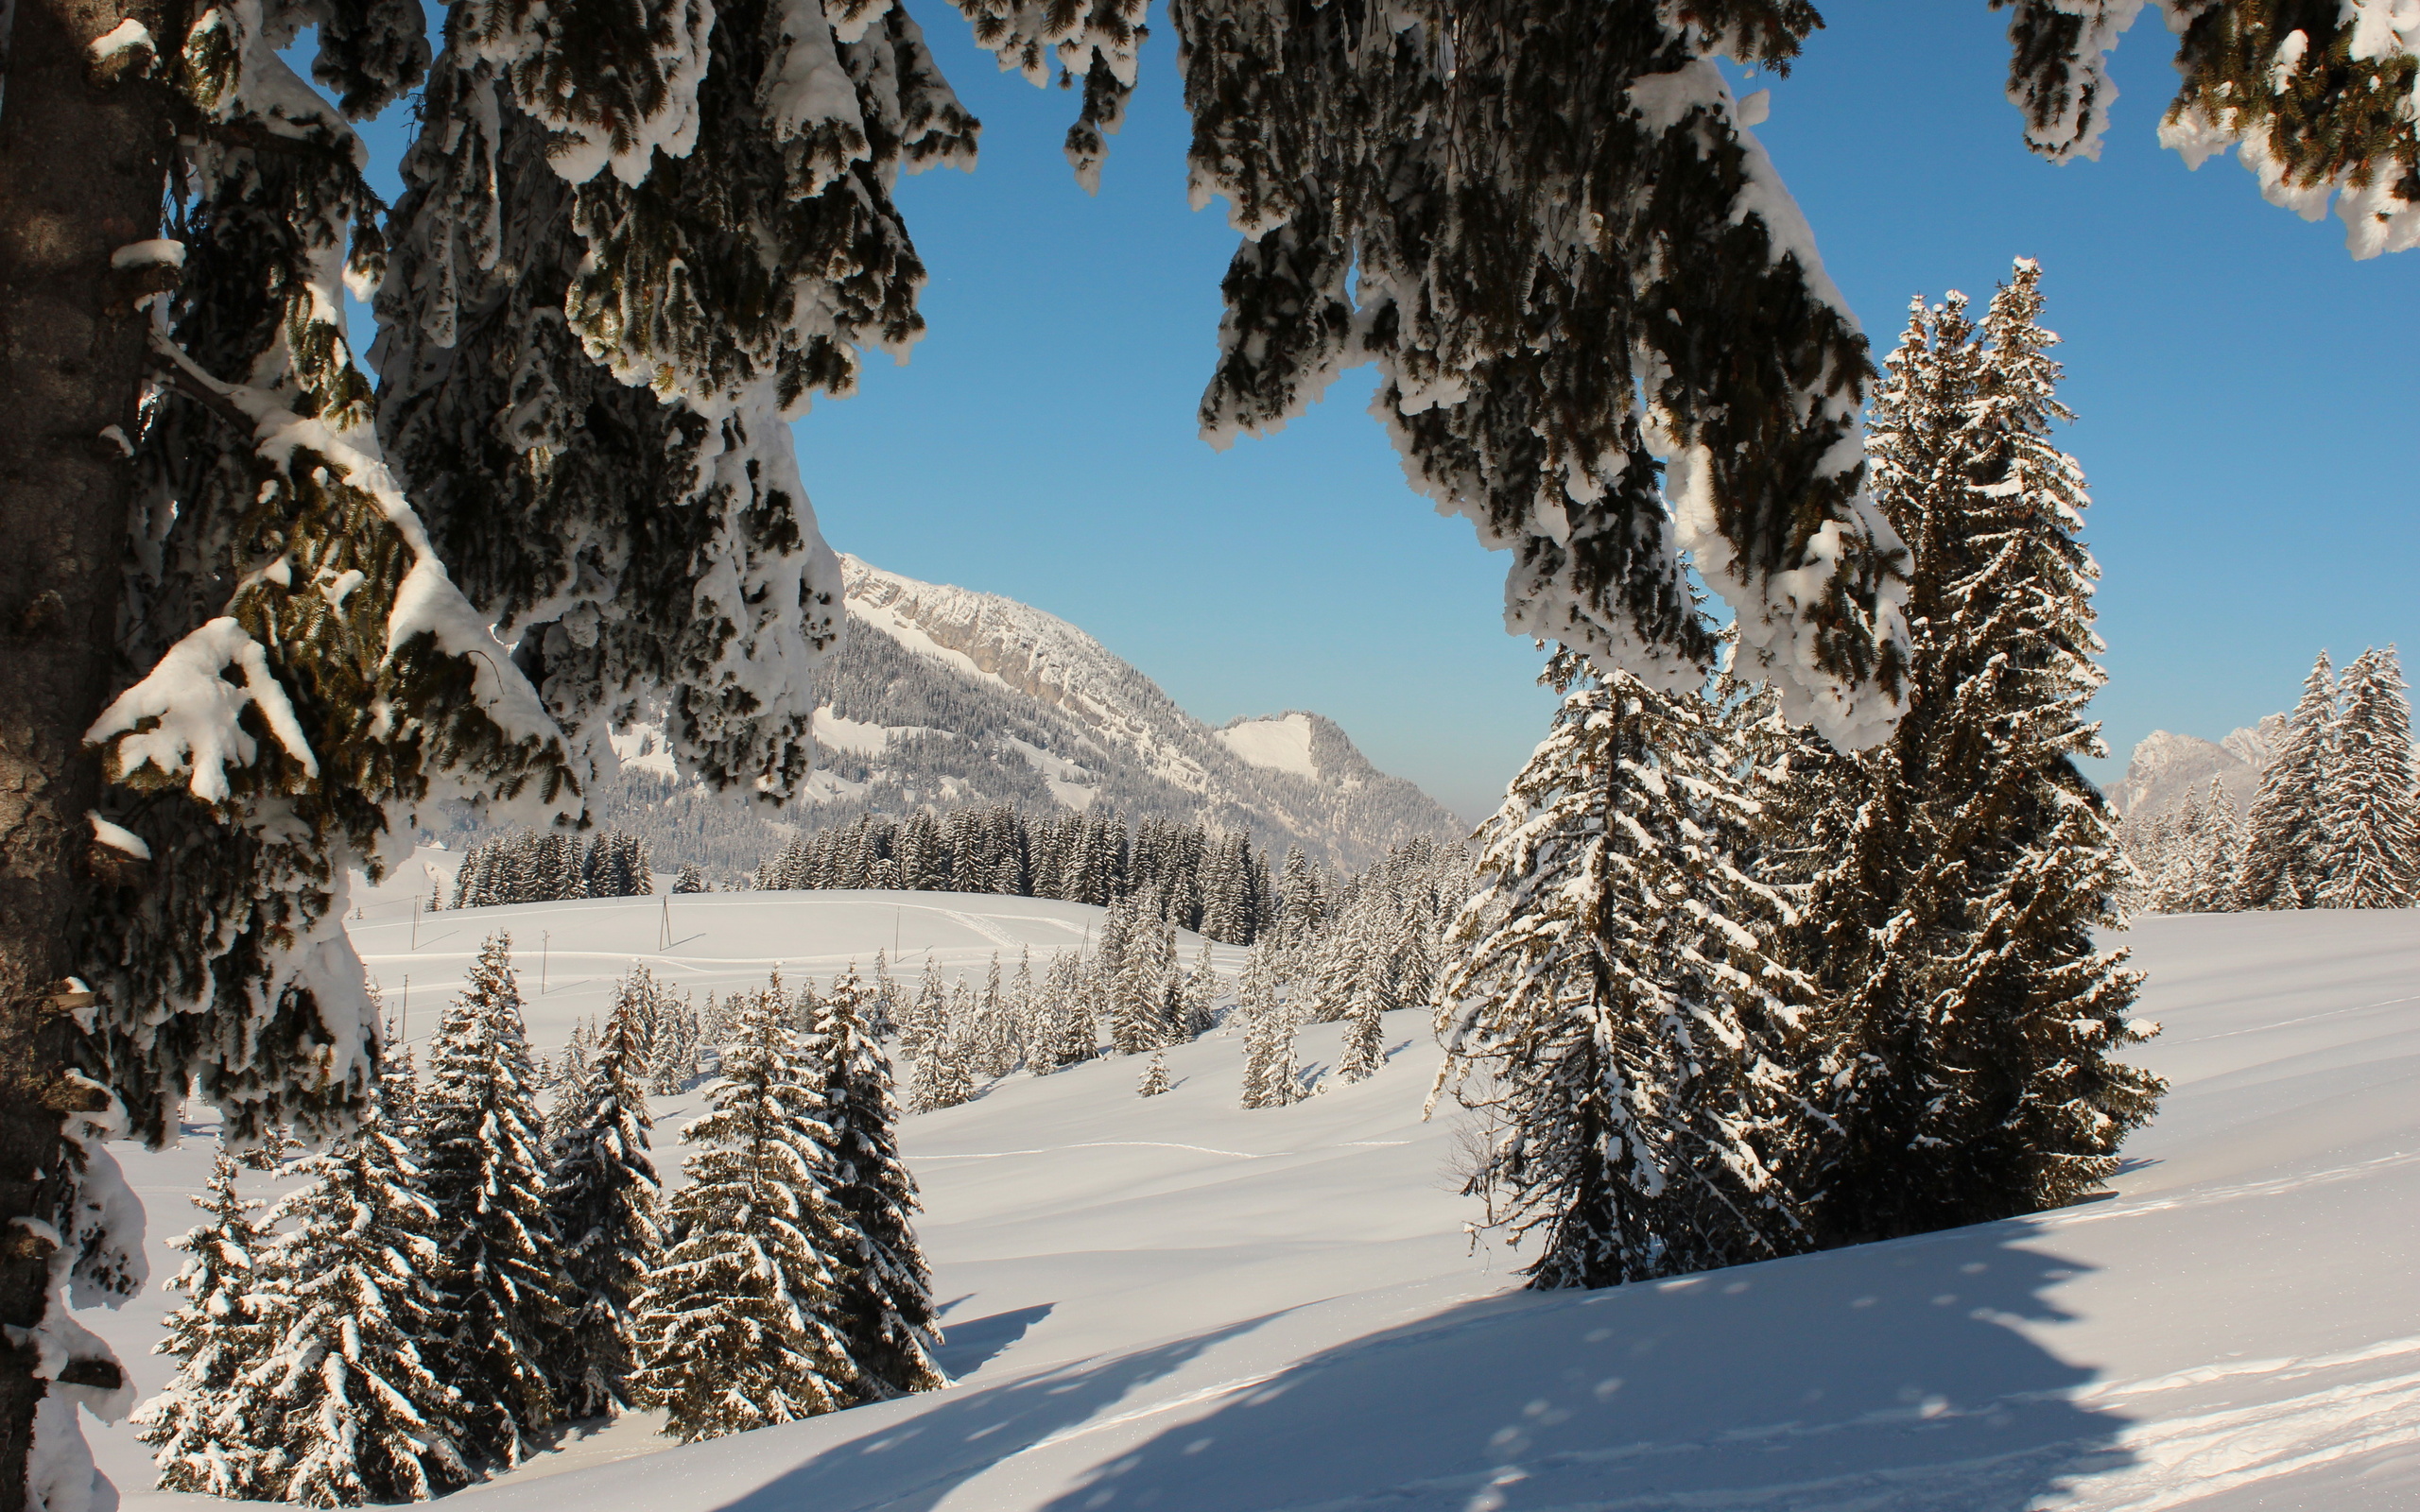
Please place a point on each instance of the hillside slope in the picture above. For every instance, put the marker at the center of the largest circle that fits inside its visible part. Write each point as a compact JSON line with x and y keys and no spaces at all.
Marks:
{"x":1177,"y":1305}
{"x":946,"y":696}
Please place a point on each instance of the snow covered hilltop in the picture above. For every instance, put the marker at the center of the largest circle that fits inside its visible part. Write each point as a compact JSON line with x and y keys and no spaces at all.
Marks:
{"x":954,"y":698}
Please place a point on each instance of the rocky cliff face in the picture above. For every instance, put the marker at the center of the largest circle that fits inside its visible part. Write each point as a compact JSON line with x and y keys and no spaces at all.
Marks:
{"x":2167,"y":765}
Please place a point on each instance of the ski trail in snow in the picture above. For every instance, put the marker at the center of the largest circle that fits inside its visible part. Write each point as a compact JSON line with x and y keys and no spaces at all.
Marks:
{"x":2308,"y":1018}
{"x":979,"y":924}
{"x":1106,"y":1145}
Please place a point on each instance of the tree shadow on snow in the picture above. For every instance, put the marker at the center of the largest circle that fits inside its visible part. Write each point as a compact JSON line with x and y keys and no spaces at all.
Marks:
{"x":1889,"y":1377}
{"x":967,"y":1346}
{"x":910,"y":1463}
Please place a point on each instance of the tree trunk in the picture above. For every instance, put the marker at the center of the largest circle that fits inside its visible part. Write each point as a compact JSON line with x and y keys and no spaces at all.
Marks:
{"x":81,"y":174}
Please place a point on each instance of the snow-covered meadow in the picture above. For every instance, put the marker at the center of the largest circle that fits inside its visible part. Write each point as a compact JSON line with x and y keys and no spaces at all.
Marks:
{"x":1178,"y":1305}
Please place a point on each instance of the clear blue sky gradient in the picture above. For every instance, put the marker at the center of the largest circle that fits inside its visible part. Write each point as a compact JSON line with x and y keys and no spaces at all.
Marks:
{"x":2246,"y":396}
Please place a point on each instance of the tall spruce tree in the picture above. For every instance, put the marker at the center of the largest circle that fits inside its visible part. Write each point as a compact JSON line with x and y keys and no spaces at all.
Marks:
{"x":502,"y":1275}
{"x":197,"y":1431}
{"x":602,"y":1192}
{"x":2369,"y":814}
{"x":1616,"y":1010}
{"x":344,"y":1408}
{"x":737,"y":1325}
{"x":882,"y":1303}
{"x":2286,"y":842}
{"x":1271,"y":1078}
{"x":1974,"y":1024}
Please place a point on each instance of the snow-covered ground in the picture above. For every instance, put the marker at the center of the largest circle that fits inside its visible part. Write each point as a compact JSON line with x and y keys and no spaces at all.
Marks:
{"x":1178,"y":1305}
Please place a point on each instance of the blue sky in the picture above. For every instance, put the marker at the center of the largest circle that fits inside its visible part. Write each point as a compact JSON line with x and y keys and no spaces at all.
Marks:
{"x":2246,"y":397}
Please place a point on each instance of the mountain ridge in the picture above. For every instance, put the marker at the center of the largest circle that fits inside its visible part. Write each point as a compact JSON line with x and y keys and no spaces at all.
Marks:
{"x":956,"y":698}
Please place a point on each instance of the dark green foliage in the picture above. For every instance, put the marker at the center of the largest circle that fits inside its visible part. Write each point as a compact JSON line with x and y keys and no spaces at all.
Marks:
{"x":737,"y":1325}
{"x":1530,"y":219}
{"x":1948,"y":882}
{"x":2318,"y":94}
{"x":602,"y":1206}
{"x":501,"y":1275}
{"x":883,"y":1302}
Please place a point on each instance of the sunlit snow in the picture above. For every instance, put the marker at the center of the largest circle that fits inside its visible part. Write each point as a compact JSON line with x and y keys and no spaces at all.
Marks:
{"x":1283,"y":743}
{"x":1178,"y":1305}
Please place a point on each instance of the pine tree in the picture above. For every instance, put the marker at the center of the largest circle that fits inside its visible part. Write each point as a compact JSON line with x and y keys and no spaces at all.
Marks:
{"x":1365,"y":1048}
{"x":2285,"y":844}
{"x":194,"y":1429}
{"x":690,"y":880}
{"x":884,"y":1304}
{"x":503,"y":1280}
{"x":736,"y":1326}
{"x":1200,"y":995}
{"x":1615,"y":1009}
{"x":1974,"y":1024}
{"x":1271,"y":1078}
{"x":1155,"y":1077}
{"x":601,"y":1192}
{"x":2369,"y":817}
{"x":344,"y":1408}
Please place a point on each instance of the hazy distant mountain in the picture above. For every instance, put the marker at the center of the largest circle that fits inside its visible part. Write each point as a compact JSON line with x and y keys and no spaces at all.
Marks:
{"x":948,"y":696}
{"x":2167,"y":765}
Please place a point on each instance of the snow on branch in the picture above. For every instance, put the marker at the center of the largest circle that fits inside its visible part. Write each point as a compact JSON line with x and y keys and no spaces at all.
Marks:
{"x":184,"y":719}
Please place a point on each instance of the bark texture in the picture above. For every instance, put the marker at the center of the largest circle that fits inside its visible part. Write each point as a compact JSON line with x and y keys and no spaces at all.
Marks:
{"x":81,"y":174}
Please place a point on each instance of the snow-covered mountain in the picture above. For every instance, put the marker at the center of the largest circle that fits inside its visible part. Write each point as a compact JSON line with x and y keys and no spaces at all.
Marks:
{"x":2167,"y":765}
{"x":947,"y":697}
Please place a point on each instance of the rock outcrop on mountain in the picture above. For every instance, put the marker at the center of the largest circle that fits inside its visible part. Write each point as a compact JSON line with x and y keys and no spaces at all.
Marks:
{"x":2167,"y":765}
{"x":950,"y":698}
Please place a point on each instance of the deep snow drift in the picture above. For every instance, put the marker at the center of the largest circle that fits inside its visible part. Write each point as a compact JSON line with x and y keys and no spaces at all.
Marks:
{"x":1178,"y":1305}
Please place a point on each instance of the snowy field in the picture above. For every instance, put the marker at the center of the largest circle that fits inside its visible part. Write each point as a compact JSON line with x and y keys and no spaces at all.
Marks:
{"x":1178,"y":1305}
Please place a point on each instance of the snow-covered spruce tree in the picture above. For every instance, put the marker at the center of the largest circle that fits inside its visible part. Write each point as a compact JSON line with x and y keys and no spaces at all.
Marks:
{"x":1271,"y":1078}
{"x":502,"y":1277}
{"x":2320,"y":98}
{"x":1527,"y":219}
{"x":1614,"y":1011}
{"x":735,"y":1327}
{"x":344,"y":1408}
{"x":220,"y":1330}
{"x":2369,"y":816}
{"x":1974,"y":1024}
{"x":883,"y":1305}
{"x":2285,"y":841}
{"x":601,"y":1209}
{"x":1202,"y":989}
{"x":1155,"y":1076}
{"x":2218,"y":855}
{"x":1365,"y":1048}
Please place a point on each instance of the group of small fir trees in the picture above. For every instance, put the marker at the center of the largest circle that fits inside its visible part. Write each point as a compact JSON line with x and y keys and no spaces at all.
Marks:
{"x":2334,"y":822}
{"x":447,"y":1283}
{"x":1729,"y":993}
